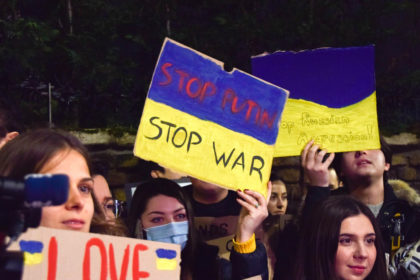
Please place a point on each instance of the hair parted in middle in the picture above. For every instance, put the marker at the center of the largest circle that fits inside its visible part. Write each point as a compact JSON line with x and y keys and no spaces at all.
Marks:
{"x":141,"y":197}
{"x":320,"y":236}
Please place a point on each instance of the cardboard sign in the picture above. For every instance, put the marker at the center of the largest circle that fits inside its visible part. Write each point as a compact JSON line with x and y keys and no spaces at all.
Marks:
{"x":60,"y":254}
{"x":332,"y":98}
{"x":215,"y":126}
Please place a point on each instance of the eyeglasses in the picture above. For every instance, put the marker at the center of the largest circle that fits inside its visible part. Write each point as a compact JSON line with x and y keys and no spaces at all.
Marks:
{"x":118,"y":207}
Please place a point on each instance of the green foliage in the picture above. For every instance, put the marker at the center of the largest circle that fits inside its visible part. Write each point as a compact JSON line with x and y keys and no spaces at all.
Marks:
{"x":101,"y":59}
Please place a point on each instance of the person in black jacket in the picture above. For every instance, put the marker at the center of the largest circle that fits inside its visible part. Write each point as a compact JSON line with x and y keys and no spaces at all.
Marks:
{"x":365,"y":177}
{"x":161,"y":211}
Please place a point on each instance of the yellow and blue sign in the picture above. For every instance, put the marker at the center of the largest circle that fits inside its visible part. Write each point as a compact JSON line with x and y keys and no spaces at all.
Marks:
{"x":166,"y":259}
{"x":32,"y":251}
{"x":332,"y":98}
{"x":216,"y":126}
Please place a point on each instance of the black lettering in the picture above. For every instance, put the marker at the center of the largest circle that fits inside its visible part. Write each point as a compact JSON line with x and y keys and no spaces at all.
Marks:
{"x":169,"y":129}
{"x":158,"y":127}
{"x":190,"y":141}
{"x":260,"y":159}
{"x":224,"y":229}
{"x":222,"y":157}
{"x":173,"y":137}
{"x":241,"y":156}
{"x":203,"y":230}
{"x":214,"y":230}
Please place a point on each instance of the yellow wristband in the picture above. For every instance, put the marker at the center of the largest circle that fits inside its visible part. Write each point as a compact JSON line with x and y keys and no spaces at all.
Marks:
{"x":245,"y":247}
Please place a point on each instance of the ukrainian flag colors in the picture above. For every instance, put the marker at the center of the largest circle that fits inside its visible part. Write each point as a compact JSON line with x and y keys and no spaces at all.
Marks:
{"x":179,"y":139}
{"x":332,"y":98}
{"x":216,"y":126}
{"x":166,"y":259}
{"x":32,"y":251}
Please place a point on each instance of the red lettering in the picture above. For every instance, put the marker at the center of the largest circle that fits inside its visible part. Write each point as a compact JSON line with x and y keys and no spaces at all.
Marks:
{"x":252,"y":104}
{"x":203,"y":91}
{"x":266,"y":119}
{"x":137,"y":274}
{"x":124,"y":265}
{"x":166,"y":73}
{"x":86,"y":261}
{"x":188,"y":88}
{"x":234,"y":109}
{"x":52,"y":259}
{"x":194,"y":86}
{"x":182,"y":76}
{"x":228,"y":97}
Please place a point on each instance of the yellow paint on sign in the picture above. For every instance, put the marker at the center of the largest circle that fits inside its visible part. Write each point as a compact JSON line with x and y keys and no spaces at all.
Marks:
{"x":204,"y":149}
{"x":350,"y":128}
{"x":32,"y":259}
{"x":166,"y":264}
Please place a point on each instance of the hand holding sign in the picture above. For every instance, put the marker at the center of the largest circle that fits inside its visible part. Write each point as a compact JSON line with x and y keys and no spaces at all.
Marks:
{"x":253,"y":212}
{"x":314,"y":165}
{"x":216,"y":126}
{"x":49,"y":255}
{"x":332,"y":97}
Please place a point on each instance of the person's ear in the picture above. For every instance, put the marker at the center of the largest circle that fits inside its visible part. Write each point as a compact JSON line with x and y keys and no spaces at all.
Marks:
{"x":11,"y":135}
{"x":387,"y":166}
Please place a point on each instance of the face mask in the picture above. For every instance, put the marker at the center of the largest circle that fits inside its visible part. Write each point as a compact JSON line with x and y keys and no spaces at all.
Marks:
{"x":176,"y":233}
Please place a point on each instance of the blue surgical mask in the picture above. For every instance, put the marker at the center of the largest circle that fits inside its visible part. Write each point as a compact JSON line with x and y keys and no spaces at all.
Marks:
{"x":176,"y":233}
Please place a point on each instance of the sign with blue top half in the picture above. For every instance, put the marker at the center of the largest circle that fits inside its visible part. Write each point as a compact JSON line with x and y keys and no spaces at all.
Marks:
{"x":214,"y":125}
{"x":332,"y":98}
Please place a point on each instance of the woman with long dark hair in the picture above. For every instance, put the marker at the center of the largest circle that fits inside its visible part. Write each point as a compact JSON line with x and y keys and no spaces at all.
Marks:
{"x":160,"y":211}
{"x":57,"y":152}
{"x":341,"y":240}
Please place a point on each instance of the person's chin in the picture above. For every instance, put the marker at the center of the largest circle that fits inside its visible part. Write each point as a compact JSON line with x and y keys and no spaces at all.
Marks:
{"x":358,"y":272}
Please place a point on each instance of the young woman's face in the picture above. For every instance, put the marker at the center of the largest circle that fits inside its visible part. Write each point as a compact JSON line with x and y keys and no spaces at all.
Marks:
{"x":277,"y":204}
{"x":162,"y":210}
{"x":369,"y":163}
{"x":103,"y":195}
{"x":77,"y":212}
{"x":356,"y":252}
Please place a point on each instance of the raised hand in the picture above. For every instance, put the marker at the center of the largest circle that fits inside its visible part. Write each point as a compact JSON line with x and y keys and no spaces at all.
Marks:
{"x":253,"y":212}
{"x":314,"y":165}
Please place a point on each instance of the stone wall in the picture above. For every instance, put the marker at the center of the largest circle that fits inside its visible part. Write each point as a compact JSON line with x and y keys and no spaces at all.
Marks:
{"x":116,"y":154}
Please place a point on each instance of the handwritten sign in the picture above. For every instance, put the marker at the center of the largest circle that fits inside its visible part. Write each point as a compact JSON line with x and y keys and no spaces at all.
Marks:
{"x":332,"y":98}
{"x":59,"y":254}
{"x":216,"y":126}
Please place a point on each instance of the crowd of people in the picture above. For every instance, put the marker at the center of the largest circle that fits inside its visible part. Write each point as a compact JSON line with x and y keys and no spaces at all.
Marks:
{"x":361,"y":226}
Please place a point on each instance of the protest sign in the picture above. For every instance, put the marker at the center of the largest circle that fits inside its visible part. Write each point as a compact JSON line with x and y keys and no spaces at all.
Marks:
{"x":216,"y":126}
{"x":60,"y":254}
{"x":332,"y":98}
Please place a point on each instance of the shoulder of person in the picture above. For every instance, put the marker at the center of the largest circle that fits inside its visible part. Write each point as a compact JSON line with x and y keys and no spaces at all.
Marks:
{"x":404,"y":191}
